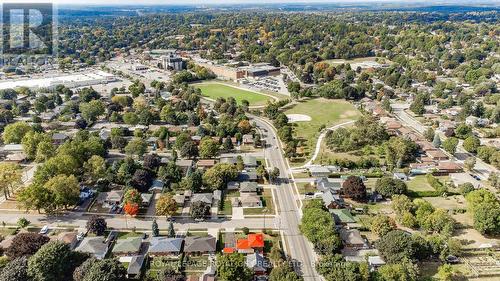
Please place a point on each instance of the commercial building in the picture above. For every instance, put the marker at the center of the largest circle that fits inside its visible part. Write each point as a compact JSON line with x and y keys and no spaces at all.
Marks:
{"x":71,"y":81}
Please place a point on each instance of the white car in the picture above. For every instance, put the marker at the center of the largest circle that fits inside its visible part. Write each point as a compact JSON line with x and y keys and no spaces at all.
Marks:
{"x":44,"y":230}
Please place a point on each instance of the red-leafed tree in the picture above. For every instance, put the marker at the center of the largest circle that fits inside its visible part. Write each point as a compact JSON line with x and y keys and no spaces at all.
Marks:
{"x":354,"y":188}
{"x":131,"y":209}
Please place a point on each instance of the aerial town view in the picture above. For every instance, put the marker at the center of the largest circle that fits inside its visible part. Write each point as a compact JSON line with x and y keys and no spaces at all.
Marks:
{"x":250,"y":140}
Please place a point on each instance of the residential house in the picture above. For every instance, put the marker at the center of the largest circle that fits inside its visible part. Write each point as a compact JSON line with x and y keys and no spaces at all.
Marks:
{"x":471,"y":121}
{"x":249,"y":161}
{"x":250,"y":200}
{"x":206,"y":198}
{"x":233,"y":185}
{"x":59,"y":138}
{"x":400,"y":176}
{"x":258,"y":263}
{"x":437,"y":155}
{"x":247,"y":139}
{"x":229,"y":160}
{"x":186,"y":165}
{"x":127,"y":247}
{"x":248,"y":175}
{"x":157,"y":186}
{"x":445,"y":168}
{"x":95,"y":246}
{"x":17,"y":158}
{"x":135,"y":266}
{"x":332,"y":201}
{"x":229,"y":243}
{"x":375,"y":262}
{"x":113,"y":197}
{"x":324,"y":184}
{"x":319,"y":171}
{"x":352,"y":239}
{"x":205,"y":164}
{"x":179,"y":199}
{"x":164,"y":246}
{"x":253,"y":243}
{"x":195,"y":245}
{"x":247,"y":187}
{"x":69,"y":238}
{"x":342,"y":216}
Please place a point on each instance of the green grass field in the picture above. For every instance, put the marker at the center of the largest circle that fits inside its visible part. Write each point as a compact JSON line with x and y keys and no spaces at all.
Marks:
{"x":219,"y":90}
{"x":322,"y":112}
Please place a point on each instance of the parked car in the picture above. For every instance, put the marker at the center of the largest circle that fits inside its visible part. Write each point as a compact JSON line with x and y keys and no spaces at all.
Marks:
{"x":44,"y":230}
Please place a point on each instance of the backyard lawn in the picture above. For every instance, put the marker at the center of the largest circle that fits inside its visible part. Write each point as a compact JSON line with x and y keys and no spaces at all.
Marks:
{"x":267,"y":202}
{"x":323,"y":112}
{"x":220,"y":90}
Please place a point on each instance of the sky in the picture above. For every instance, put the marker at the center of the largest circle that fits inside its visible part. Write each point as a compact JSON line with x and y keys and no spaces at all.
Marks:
{"x":207,"y":2}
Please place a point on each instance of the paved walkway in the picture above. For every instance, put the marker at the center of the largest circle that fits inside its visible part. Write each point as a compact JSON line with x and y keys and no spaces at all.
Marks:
{"x":238,"y":213}
{"x":320,"y":140}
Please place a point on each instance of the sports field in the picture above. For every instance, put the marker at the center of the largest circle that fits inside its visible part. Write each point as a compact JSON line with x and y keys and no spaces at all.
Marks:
{"x":219,"y":90}
{"x":323,"y":112}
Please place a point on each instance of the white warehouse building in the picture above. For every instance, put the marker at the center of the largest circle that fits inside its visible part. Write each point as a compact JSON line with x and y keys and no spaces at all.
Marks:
{"x":70,"y":81}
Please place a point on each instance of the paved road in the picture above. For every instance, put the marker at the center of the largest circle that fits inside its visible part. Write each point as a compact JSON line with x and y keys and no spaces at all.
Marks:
{"x":298,"y":247}
{"x":121,"y":222}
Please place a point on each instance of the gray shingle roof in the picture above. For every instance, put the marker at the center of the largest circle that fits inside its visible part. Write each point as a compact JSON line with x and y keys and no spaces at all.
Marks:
{"x":165,"y":245}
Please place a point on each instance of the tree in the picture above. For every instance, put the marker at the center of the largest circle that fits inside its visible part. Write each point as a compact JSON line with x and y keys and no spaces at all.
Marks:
{"x":381,"y":225}
{"x":95,"y":168}
{"x":166,"y":206}
{"x":274,"y":174}
{"x":23,"y":222}
{"x":219,"y":175}
{"x":132,"y":196}
{"x":199,"y":210}
{"x":14,"y":133}
{"x":233,"y":268}
{"x":487,"y":218}
{"x":334,"y":268}
{"x":106,"y":269}
{"x":387,"y":186}
{"x":396,"y":246}
{"x":15,"y":270}
{"x":471,"y":144}
{"x":284,"y":272}
{"x":136,"y":146}
{"x":429,"y":134}
{"x":450,"y":145}
{"x":142,"y":180}
{"x":170,"y":230}
{"x":463,"y":131}
{"x":10,"y":178}
{"x":445,"y":272}
{"x":155,"y":231}
{"x":193,"y":182}
{"x":436,"y":142}
{"x":405,"y":270}
{"x":189,"y":150}
{"x":131,"y":209}
{"x":26,"y":244}
{"x":208,"y":148}
{"x":354,"y":188}
{"x":92,"y":110}
{"x":36,"y":197}
{"x":31,"y":142}
{"x":97,"y":225}
{"x":52,"y":261}
{"x":65,"y":190}
{"x":151,"y":162}
{"x":469,"y":163}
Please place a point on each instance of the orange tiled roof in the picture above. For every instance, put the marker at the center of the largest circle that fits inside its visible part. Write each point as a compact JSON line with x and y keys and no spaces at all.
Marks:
{"x":228,"y":250}
{"x":256,"y":240}
{"x":242,"y":244}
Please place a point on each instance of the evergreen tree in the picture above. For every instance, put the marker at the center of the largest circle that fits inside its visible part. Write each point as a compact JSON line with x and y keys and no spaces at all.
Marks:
{"x":170,"y":230}
{"x":155,"y":229}
{"x":436,"y":142}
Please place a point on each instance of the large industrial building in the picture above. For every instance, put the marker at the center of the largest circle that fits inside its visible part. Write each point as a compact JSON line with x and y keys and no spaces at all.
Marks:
{"x":70,"y":81}
{"x":234,"y":73}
